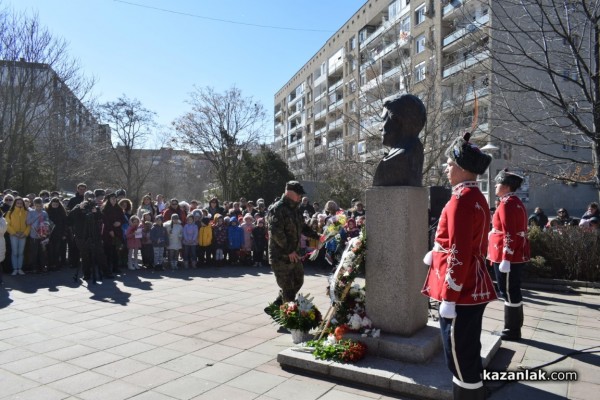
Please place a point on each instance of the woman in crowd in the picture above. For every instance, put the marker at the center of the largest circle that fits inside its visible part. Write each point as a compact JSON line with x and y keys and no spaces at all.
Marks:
{"x":112,"y":235}
{"x":147,"y":206}
{"x":58,"y":216}
{"x":17,"y":228}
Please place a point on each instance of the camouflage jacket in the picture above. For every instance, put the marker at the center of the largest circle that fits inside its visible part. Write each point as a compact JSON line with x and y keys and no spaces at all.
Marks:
{"x":286,"y":223}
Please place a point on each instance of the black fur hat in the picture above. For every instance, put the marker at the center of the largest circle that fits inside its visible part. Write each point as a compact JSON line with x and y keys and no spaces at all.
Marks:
{"x":507,"y":178}
{"x":468,"y":156}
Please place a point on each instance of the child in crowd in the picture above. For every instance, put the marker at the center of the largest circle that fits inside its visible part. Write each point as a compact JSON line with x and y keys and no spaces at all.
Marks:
{"x":190,"y":241}
{"x":205,"y":236}
{"x":235,"y":237}
{"x":360,"y":221}
{"x":352,"y":230}
{"x":247,"y":226}
{"x":160,"y":239}
{"x":259,"y":242}
{"x":175,"y":232}
{"x":39,"y":233}
{"x":219,"y":238}
{"x":134,"y":242}
{"x":147,"y":251}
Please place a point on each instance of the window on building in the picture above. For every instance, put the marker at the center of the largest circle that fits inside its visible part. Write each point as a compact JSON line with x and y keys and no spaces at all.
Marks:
{"x":420,"y":44}
{"x":394,"y":9}
{"x":420,"y":14}
{"x":352,"y":86}
{"x":420,"y":72}
{"x":361,"y":148}
{"x":352,"y":43}
{"x":405,"y":24}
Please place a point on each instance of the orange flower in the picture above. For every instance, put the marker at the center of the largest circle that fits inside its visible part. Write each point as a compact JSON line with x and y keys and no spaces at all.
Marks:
{"x":340,"y":331}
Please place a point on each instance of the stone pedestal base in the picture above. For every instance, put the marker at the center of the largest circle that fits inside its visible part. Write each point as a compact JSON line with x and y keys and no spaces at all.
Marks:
{"x":431,"y":380}
{"x":418,"y":348}
{"x":396,"y":243}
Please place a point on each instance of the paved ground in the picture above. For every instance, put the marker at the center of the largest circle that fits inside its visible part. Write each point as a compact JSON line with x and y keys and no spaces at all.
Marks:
{"x":202,"y":334}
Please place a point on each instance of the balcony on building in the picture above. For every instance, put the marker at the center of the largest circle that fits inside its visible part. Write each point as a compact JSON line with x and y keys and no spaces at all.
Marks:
{"x":278,"y":128}
{"x":466,"y":62}
{"x":320,"y":91}
{"x":336,"y":125}
{"x":451,"y":8}
{"x":336,"y":141}
{"x":463,"y":28}
{"x":480,"y":91}
{"x":336,"y":100}
{"x":321,"y":131}
{"x":320,"y":114}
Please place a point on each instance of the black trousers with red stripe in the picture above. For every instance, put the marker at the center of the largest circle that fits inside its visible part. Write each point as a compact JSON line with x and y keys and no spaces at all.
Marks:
{"x":462,"y":345}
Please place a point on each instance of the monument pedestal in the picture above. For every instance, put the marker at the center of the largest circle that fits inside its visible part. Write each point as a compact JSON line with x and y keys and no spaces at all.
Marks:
{"x":396,"y":243}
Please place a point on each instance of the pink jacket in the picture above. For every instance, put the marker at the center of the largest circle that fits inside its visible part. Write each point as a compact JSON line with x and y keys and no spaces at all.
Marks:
{"x":133,"y":242}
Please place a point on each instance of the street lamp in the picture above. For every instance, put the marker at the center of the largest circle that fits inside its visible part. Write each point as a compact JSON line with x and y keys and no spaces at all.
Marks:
{"x":490,"y":149}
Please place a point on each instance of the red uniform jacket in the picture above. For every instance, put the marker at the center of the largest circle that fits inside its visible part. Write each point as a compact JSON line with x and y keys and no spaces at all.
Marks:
{"x":508,"y":237}
{"x":458,"y":272}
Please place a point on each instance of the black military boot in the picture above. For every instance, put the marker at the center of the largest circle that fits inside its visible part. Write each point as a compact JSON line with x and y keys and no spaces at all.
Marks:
{"x":272,"y":307}
{"x":513,"y":320}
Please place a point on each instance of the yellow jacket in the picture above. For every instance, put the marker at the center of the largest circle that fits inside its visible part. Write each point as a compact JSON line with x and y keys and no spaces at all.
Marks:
{"x":15,"y":222}
{"x":205,"y":236}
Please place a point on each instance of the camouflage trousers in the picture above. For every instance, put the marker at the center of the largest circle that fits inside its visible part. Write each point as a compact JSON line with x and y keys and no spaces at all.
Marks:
{"x":290,"y":278}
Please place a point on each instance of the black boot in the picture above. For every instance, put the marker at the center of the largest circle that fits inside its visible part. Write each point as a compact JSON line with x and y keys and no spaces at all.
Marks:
{"x":513,"y":320}
{"x":461,"y":393}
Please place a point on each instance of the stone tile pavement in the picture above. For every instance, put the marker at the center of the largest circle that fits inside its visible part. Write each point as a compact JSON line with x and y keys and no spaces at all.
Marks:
{"x":202,"y":334}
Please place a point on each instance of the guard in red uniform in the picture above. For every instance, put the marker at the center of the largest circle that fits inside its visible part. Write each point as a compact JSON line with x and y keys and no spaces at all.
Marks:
{"x":457,"y":274}
{"x":508,"y":250}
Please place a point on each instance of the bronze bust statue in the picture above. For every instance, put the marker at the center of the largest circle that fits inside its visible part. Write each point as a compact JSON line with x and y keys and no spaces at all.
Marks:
{"x":403,"y":118}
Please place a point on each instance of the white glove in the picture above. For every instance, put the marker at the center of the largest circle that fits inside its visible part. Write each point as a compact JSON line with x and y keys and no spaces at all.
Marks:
{"x":428,"y":257}
{"x":448,"y":309}
{"x":504,"y":266}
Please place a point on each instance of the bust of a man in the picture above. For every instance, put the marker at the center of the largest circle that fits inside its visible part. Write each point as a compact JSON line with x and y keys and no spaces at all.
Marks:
{"x":403,"y":118}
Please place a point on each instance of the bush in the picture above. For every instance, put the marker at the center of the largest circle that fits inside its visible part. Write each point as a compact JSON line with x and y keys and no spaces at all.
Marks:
{"x":566,"y":253}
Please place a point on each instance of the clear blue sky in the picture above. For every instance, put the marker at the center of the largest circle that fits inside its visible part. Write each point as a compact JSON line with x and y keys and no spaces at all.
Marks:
{"x":158,"y":56}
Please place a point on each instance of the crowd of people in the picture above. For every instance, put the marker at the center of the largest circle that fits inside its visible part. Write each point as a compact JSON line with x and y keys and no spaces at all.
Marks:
{"x":102,"y":233}
{"x":590,"y":220}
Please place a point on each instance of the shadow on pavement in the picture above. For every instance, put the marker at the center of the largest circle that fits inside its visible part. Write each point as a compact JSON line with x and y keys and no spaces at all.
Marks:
{"x":5,"y":300}
{"x":537,"y":298}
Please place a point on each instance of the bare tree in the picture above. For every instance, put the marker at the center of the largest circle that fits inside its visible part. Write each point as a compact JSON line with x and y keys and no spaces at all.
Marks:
{"x":131,"y":128}
{"x":546,"y":74}
{"x":221,"y":126}
{"x":41,"y":104}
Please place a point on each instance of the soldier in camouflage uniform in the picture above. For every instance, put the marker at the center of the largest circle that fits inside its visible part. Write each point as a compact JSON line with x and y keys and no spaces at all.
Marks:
{"x":286,"y":223}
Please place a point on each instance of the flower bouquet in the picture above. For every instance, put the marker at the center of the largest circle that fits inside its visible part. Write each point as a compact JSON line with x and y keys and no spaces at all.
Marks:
{"x":337,"y":349}
{"x":300,"y":314}
{"x":330,"y":236}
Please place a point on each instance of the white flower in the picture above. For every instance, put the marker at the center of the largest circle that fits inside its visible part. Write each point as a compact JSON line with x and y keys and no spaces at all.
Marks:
{"x":305,"y":304}
{"x":376,"y":333}
{"x":331,"y":339}
{"x":355,"y":322}
{"x":366,"y":322}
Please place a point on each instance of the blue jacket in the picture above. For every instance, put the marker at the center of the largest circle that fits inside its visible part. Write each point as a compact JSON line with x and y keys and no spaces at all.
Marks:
{"x":159,"y":236}
{"x":190,"y":235}
{"x":235,"y":235}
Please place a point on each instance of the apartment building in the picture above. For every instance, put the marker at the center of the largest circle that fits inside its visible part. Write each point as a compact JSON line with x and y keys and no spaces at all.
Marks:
{"x":438,"y":50}
{"x":40,"y":114}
